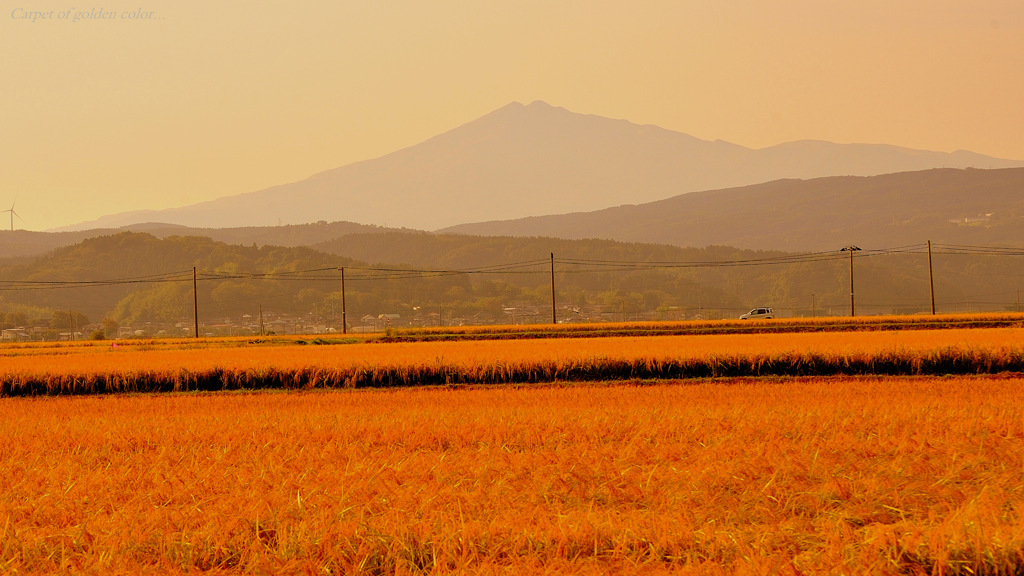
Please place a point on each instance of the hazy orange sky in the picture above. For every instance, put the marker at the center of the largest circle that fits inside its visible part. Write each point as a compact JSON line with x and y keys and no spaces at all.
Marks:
{"x":154,"y":104}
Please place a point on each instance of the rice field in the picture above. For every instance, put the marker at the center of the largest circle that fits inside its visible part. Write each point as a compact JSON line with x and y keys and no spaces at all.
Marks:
{"x":88,"y":368}
{"x":805,"y":452}
{"x":851,"y":475}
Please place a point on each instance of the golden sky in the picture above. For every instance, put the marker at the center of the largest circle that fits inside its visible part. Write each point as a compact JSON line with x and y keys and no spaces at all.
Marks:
{"x":115,"y":106}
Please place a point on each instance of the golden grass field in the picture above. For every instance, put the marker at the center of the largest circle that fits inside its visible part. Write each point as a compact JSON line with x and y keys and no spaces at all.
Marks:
{"x":91,"y":367}
{"x":866,"y":475}
{"x":723,"y":475}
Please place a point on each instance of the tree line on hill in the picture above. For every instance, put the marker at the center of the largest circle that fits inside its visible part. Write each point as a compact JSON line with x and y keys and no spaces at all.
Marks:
{"x":411,"y":278}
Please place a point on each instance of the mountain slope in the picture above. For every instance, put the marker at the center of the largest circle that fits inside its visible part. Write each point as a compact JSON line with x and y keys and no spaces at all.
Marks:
{"x":943,"y":205}
{"x":533,"y":160}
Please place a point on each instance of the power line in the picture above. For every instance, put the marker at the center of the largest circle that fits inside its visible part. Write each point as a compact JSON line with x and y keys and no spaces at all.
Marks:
{"x":7,"y":285}
{"x":529,"y":267}
{"x":978,"y":250}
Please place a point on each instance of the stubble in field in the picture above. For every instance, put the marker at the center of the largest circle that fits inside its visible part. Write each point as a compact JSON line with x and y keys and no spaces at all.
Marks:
{"x":854,"y":475}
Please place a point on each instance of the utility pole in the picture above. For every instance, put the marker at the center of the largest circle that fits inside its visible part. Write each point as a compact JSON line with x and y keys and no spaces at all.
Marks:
{"x":814,"y":309}
{"x":195,"y":300}
{"x":554,"y":318}
{"x":931,"y":279}
{"x":344,"y":308}
{"x":262,"y":331}
{"x":851,"y":249}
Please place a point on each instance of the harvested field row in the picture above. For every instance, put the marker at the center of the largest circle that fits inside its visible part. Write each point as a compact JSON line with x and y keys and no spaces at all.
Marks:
{"x":869,"y":475}
{"x":709,"y":327}
{"x":545,"y":331}
{"x":91,"y":369}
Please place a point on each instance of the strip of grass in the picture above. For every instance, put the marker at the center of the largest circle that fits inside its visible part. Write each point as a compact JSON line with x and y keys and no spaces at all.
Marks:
{"x":541,"y":331}
{"x":946,"y":361}
{"x":687,"y":328}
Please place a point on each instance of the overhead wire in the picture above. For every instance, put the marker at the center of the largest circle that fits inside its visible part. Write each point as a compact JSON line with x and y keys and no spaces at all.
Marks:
{"x":539,"y":266}
{"x":977,"y":250}
{"x":8,"y":285}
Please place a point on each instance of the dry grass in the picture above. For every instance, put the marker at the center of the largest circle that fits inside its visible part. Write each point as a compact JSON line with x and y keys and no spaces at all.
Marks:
{"x":881,"y":476}
{"x":696,"y":327}
{"x":89,"y":368}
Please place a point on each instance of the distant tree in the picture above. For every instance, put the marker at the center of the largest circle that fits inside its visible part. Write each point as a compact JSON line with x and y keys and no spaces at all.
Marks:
{"x":68,"y":320}
{"x":13,"y":319}
{"x":110,"y":327}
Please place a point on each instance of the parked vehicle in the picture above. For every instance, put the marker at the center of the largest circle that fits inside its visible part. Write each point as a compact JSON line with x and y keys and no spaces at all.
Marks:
{"x":759,"y":313}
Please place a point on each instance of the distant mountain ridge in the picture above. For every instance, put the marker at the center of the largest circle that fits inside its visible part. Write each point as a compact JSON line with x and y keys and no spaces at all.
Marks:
{"x":976,"y":207}
{"x":535,"y":160}
{"x":981,"y":207}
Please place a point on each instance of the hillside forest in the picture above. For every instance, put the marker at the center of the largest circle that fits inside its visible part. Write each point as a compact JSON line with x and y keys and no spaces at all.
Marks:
{"x":135,"y":284}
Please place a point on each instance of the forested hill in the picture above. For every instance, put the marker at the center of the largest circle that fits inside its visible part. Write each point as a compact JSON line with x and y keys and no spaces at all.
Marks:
{"x":20,"y":243}
{"x":425,"y":279}
{"x":457,"y":251}
{"x":139,"y":255}
{"x":137,"y":277}
{"x":699,"y":279}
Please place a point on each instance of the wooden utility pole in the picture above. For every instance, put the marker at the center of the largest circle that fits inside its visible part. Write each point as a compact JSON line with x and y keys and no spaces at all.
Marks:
{"x":195,"y":300}
{"x":851,"y":249}
{"x":344,"y":313}
{"x":554,"y":317}
{"x":853,"y":305}
{"x":931,"y":279}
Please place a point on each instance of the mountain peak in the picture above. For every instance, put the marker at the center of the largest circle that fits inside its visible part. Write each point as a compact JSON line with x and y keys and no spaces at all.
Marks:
{"x":531,"y":160}
{"x":516,"y":109}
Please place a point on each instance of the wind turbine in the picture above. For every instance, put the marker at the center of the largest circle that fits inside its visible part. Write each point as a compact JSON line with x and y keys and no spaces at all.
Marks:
{"x":13,"y":213}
